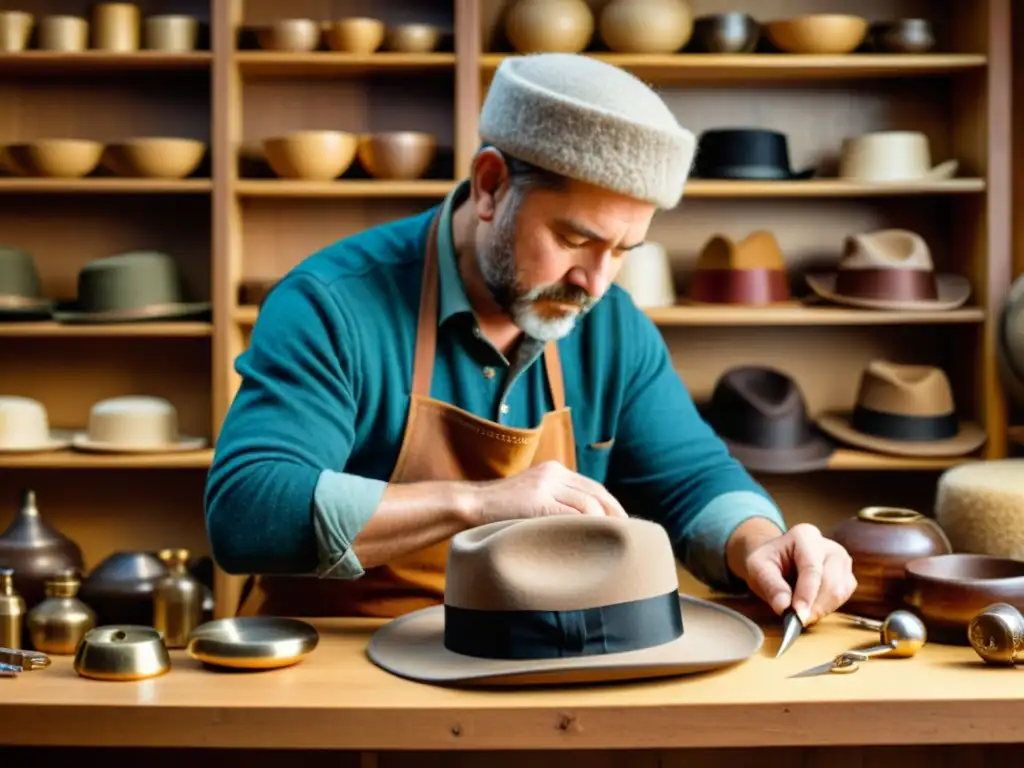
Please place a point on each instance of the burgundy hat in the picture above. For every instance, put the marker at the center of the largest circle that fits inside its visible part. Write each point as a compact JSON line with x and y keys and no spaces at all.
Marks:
{"x":751,"y":271}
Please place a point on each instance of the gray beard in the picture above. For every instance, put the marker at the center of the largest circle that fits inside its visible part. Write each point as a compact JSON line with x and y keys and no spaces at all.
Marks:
{"x":497,"y":263}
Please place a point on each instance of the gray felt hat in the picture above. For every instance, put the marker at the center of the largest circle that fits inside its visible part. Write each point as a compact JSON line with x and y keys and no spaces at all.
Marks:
{"x":591,"y":121}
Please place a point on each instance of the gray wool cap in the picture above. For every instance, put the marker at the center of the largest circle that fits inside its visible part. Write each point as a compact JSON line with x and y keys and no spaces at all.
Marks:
{"x":580,"y":117}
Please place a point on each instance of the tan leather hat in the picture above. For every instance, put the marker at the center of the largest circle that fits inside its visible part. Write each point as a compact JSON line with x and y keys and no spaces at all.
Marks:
{"x":562,"y":599}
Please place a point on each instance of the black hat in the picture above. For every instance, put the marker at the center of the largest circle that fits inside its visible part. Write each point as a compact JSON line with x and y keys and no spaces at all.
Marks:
{"x":761,"y":416}
{"x":745,"y":153}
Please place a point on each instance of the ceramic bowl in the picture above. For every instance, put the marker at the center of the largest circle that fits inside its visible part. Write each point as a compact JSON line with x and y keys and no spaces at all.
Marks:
{"x":311,"y":155}
{"x":355,"y":35}
{"x":397,"y":155}
{"x":821,"y":33}
{"x":947,"y":591}
{"x":54,"y":158}
{"x":154,"y":157}
{"x":295,"y":35}
{"x":171,"y":32}
{"x":902,"y":36}
{"x":414,"y":38}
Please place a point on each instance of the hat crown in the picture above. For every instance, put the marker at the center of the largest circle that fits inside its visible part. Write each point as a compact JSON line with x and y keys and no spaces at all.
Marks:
{"x":758,"y":250}
{"x":887,"y":249}
{"x":23,"y":421}
{"x":912,"y":390}
{"x":18,"y":274}
{"x":759,"y":406}
{"x":128,"y":281}
{"x":563,"y":563}
{"x":133,"y":420}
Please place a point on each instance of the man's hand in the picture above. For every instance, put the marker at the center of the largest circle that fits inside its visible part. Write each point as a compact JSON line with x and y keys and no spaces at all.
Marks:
{"x":540,"y":491}
{"x":821,"y":568}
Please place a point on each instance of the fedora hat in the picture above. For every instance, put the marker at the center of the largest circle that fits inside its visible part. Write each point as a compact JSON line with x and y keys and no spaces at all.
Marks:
{"x":890,"y":269}
{"x":134,"y":424}
{"x":906,"y":410}
{"x":761,"y":415}
{"x":25,"y":427}
{"x":745,"y":153}
{"x":1010,"y":343}
{"x":134,"y":286}
{"x":20,"y":293}
{"x":749,"y":271}
{"x":564,"y":599}
{"x":891,"y":156}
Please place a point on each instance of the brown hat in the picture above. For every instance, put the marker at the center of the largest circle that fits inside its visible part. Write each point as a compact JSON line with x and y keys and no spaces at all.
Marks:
{"x":760,"y":414}
{"x":890,"y":269}
{"x":748,"y":271}
{"x":562,"y":599}
{"x":907,"y":410}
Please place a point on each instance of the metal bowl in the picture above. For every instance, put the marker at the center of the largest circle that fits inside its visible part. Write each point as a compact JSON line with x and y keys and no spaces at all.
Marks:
{"x":122,"y":653}
{"x":726,"y":33}
{"x":252,"y":642}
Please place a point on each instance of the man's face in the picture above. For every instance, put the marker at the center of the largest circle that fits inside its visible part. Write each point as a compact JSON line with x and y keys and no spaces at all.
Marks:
{"x":549,"y":255}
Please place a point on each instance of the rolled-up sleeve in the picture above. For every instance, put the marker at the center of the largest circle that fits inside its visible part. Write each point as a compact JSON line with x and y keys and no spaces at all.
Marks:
{"x":670,"y":466}
{"x":277,"y":499}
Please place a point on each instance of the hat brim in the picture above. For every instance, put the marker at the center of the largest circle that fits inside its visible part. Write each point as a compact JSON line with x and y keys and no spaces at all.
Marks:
{"x":813,"y":455}
{"x":754,"y":173}
{"x":68,"y":314}
{"x":969,"y":438}
{"x":59,"y":439}
{"x":714,"y":637}
{"x":81,"y":442}
{"x":953,"y":292}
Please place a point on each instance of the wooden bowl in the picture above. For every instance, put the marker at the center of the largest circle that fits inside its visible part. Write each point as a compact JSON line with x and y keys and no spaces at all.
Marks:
{"x":295,"y":35}
{"x":397,"y":155}
{"x":947,"y":591}
{"x":55,"y":158}
{"x":413,"y":38}
{"x":821,"y":33}
{"x":311,"y":155}
{"x":154,"y":157}
{"x":355,"y":35}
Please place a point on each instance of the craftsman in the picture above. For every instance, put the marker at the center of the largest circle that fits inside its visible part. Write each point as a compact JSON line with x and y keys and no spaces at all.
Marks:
{"x":474,"y":363}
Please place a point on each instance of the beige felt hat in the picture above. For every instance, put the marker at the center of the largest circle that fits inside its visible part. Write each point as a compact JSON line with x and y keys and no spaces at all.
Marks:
{"x":905,"y":410}
{"x":892,"y":156}
{"x":890,"y":269}
{"x":591,"y":121}
{"x":25,"y":427}
{"x":566,"y":599}
{"x":135,"y":424}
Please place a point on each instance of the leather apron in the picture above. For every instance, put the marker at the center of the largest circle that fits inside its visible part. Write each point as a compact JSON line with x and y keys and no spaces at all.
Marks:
{"x":440,"y":442}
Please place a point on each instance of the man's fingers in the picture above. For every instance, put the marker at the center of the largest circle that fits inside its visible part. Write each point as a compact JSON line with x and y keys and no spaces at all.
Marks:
{"x":765,"y":579}
{"x":809,"y":552}
{"x":583,"y":502}
{"x":593,"y":488}
{"x":838,"y":584}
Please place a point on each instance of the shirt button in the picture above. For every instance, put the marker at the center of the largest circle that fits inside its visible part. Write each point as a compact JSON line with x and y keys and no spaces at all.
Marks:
{"x":477,"y":332}
{"x":504,"y":408}
{"x":489,"y":372}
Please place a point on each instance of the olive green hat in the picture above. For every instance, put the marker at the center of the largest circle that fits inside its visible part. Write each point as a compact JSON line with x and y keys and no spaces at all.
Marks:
{"x":20,"y":292}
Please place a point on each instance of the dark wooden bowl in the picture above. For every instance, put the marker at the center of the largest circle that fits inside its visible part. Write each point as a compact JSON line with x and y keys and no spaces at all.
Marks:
{"x":947,"y":591}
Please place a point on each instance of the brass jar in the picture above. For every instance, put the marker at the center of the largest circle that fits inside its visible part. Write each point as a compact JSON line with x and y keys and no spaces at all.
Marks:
{"x":59,"y":623}
{"x":12,"y":611}
{"x":177,"y":600}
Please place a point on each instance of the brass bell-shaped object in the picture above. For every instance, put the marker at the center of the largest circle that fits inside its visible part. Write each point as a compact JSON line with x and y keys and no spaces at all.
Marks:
{"x":60,"y":621}
{"x":177,"y":599}
{"x":12,"y":611}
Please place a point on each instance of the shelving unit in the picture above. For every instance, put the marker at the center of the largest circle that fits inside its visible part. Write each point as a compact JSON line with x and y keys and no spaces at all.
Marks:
{"x":244,"y":225}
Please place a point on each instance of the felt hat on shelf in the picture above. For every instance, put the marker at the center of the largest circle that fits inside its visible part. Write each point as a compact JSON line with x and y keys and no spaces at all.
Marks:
{"x":21,"y":296}
{"x":25,"y":427}
{"x":750,"y":271}
{"x":135,"y":424}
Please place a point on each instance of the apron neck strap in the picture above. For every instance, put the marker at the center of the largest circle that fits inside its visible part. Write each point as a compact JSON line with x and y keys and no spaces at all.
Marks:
{"x":426,"y":332}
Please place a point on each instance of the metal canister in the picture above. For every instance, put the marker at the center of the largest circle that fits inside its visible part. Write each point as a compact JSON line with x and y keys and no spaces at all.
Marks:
{"x":177,"y":600}
{"x":12,"y":611}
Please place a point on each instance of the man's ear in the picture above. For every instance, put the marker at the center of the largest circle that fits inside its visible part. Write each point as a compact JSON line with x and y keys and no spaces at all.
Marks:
{"x":489,"y":182}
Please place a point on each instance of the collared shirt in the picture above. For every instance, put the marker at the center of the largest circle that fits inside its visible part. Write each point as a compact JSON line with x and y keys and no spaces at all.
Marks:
{"x":307,"y":447}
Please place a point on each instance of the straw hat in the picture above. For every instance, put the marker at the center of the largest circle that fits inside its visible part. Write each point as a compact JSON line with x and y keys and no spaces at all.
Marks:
{"x":562,"y":599}
{"x":890,"y":269}
{"x":25,"y":427}
{"x":906,"y":410}
{"x":135,"y":424}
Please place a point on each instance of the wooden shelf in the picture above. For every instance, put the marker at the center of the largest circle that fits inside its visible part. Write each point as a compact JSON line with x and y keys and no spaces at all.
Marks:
{"x":104,"y":186}
{"x":758,"y":316}
{"x":154,"y":330}
{"x":770,"y":66}
{"x":80,"y":460}
{"x":50,"y":62}
{"x":828,"y":188}
{"x":355,"y":188}
{"x":844,"y":459}
{"x":275,"y":64}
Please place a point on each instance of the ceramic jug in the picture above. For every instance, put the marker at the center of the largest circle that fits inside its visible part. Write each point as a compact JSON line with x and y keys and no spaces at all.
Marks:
{"x":60,"y":621}
{"x":881,"y":541}
{"x":36,"y":551}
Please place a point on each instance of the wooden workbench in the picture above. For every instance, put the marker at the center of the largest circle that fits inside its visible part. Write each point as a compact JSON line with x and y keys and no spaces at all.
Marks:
{"x":337,"y":699}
